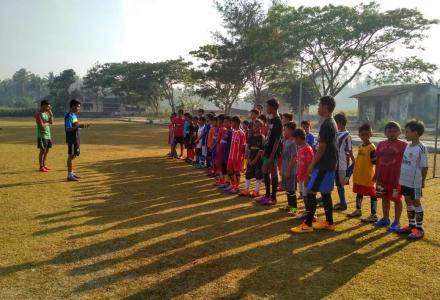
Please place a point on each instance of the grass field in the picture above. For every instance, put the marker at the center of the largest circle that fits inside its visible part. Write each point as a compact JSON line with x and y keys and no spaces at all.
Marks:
{"x":139,"y":226}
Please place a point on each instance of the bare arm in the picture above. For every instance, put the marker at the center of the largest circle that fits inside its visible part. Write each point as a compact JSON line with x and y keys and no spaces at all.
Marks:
{"x":424,"y":174}
{"x":274,"y":149}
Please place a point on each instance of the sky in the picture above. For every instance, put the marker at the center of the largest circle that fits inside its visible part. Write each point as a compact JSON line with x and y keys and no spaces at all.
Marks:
{"x":53,"y":35}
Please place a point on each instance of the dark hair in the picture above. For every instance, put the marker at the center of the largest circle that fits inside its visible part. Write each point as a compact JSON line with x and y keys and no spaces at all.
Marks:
{"x":173,"y":114}
{"x":328,"y":101}
{"x":273,"y":102}
{"x":255,"y":111}
{"x":259,"y":121}
{"x":340,"y":118}
{"x":246,"y":122}
{"x":201,"y":110}
{"x":210,"y":117}
{"x":195,"y":118}
{"x":259,"y":105}
{"x":221,"y":117}
{"x":299,"y":133}
{"x":365,"y":127}
{"x":203,"y":119}
{"x":263,"y":118}
{"x":236,"y":119}
{"x":187,"y":115}
{"x":74,"y":102}
{"x":214,"y":119}
{"x":290,"y":125}
{"x":392,"y":125}
{"x":416,"y":125}
{"x":227,"y":118}
{"x":306,"y":123}
{"x":288,"y":116}
{"x":44,"y":102}
{"x":180,"y":111}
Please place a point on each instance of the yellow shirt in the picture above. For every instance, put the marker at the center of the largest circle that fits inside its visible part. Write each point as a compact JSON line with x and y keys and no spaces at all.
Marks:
{"x":364,"y":168}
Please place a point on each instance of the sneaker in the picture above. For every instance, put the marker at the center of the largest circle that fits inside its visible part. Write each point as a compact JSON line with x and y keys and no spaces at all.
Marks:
{"x":254,"y":194}
{"x":394,"y":227}
{"x":47,"y":168}
{"x":416,"y":234}
{"x":72,"y":178}
{"x":303,"y":228}
{"x":355,"y":214}
{"x":324,"y":225}
{"x":261,"y":199}
{"x":234,"y":191}
{"x":268,"y":202}
{"x":293,"y":211}
{"x":370,"y":219}
{"x":43,"y":170}
{"x":76,"y":176}
{"x":382,"y":223}
{"x":228,"y":188}
{"x":244,"y":194}
{"x":340,"y":207}
{"x":405,"y":230}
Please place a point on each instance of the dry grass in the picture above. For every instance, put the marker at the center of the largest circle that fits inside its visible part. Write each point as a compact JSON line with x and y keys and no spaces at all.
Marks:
{"x":141,"y":226}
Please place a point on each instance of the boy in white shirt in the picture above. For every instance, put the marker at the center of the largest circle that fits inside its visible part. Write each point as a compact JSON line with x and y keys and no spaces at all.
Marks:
{"x":412,"y":178}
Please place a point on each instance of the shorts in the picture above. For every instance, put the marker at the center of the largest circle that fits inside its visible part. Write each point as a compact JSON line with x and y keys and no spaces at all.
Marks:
{"x":234,"y":166}
{"x":341,"y":178}
{"x":255,"y":171}
{"x":390,"y":191}
{"x":364,"y":190}
{"x":178,"y":140}
{"x":44,"y":144}
{"x":413,"y":193}
{"x":266,"y":161}
{"x":321,"y":181}
{"x":73,"y":149}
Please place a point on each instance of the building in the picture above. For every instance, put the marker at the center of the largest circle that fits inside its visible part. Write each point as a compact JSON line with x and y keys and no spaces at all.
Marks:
{"x":398,"y":102}
{"x":111,"y":106}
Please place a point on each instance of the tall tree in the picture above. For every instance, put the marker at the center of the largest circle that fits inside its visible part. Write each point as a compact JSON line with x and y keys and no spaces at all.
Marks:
{"x":60,"y":91}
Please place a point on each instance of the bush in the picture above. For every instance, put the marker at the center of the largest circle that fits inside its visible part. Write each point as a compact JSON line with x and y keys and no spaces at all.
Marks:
{"x":16,"y":112}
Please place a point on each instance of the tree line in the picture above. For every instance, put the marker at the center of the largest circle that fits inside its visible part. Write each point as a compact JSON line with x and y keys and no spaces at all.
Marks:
{"x":259,"y":53}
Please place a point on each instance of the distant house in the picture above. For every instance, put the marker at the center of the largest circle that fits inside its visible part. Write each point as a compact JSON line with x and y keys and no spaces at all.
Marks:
{"x":398,"y":102}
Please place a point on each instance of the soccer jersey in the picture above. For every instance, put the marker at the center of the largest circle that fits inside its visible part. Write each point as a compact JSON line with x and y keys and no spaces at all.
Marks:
{"x":238,"y":141}
{"x":328,"y":134}
{"x":200,"y":131}
{"x":363,"y":172}
{"x":345,"y":147}
{"x":256,"y":144}
{"x":275,"y":129}
{"x":415,"y":158}
{"x":226,"y":144}
{"x":186,"y":129}
{"x":43,"y":132}
{"x":389,"y":160}
{"x":310,"y":139}
{"x":178,"y":127}
{"x":289,"y":149}
{"x":69,"y":121}
{"x":305,"y":157}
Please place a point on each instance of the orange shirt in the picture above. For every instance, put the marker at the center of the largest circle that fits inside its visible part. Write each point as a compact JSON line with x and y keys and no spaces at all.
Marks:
{"x":211,"y":137}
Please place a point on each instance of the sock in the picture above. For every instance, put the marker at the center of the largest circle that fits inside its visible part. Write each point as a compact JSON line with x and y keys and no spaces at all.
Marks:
{"x":341,"y":193}
{"x":373,"y":205}
{"x":70,"y":174}
{"x":419,"y":217}
{"x":247,"y":185}
{"x":310,"y":201}
{"x":359,"y":199}
{"x":267,"y":184}
{"x":257,"y":185}
{"x":274,"y":187}
{"x":328,"y":207}
{"x":291,"y":199}
{"x":410,"y":210}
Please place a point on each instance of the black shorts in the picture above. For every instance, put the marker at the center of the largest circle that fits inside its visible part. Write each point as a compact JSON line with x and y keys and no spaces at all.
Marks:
{"x":73,"y":149}
{"x":413,"y":193}
{"x":178,"y":140}
{"x":255,"y":171}
{"x":44,"y":144}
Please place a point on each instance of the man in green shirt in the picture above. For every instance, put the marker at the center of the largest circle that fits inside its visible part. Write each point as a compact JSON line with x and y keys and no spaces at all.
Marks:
{"x":44,"y":118}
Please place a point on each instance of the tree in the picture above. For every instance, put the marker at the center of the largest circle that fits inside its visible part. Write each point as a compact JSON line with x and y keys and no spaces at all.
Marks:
{"x":60,"y":91}
{"x":338,"y":42}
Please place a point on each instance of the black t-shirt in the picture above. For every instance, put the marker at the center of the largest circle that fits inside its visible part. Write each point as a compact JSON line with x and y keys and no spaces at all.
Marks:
{"x":256,"y":144}
{"x":250,"y":132}
{"x":275,"y":129}
{"x":328,"y":133}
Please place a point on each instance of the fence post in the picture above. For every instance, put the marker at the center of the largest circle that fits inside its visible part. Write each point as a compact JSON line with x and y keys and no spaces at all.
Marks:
{"x":436,"y":136}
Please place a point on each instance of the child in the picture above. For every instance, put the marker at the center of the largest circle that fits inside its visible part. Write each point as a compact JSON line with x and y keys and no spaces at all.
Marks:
{"x":253,"y":115}
{"x":389,"y":159}
{"x":189,"y":134}
{"x":236,"y":155}
{"x":72,"y":127}
{"x":212,"y":135}
{"x":305,"y":157}
{"x":205,"y":134}
{"x":200,"y":113}
{"x":178,"y":124}
{"x":172,"y":153}
{"x":254,"y":157}
{"x":44,"y":118}
{"x":345,"y":154}
{"x":289,"y":167}
{"x":195,"y":123}
{"x":412,"y":178}
{"x":322,"y":170}
{"x":200,"y":158}
{"x":309,"y":136}
{"x":363,"y":184}
{"x":224,"y":136}
{"x":271,"y":153}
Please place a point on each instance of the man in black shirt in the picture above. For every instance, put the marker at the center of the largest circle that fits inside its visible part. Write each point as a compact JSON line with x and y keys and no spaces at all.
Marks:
{"x":322,"y":170}
{"x":271,"y":153}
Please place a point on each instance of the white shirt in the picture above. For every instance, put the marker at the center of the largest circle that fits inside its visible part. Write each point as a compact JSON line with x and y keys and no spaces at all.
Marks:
{"x":414,"y":159}
{"x":199,"y":134}
{"x":345,"y":147}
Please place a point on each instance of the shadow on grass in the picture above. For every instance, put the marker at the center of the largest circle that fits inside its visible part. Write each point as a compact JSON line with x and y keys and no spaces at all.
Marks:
{"x":164,"y":223}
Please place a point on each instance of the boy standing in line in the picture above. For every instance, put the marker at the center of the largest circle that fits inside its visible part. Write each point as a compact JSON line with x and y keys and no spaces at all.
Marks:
{"x":44,"y":118}
{"x":309,"y":136}
{"x":72,"y":127}
{"x":236,"y":155}
{"x":322,"y":170}
{"x":289,"y":167}
{"x":412,"y":178}
{"x":172,"y":153}
{"x":200,"y":159}
{"x":178,"y":125}
{"x":389,"y":159}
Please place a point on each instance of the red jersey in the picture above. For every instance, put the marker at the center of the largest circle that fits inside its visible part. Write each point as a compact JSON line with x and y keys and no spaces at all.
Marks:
{"x":238,"y":142}
{"x":389,"y":159}
{"x":264,"y":130}
{"x":305,"y":157}
{"x":178,"y":126}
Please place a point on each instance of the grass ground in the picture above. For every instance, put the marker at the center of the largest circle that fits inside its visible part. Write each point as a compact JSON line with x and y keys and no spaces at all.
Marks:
{"x":139,"y":226}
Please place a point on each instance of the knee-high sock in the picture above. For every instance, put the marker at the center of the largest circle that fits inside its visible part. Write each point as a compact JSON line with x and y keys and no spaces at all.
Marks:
{"x":257,"y":185}
{"x":341,"y":193}
{"x":291,"y":199}
{"x":247,"y":185}
{"x":274,"y":186}
{"x":328,"y":206}
{"x":267,"y":184}
{"x":410,"y":210}
{"x":310,"y":208}
{"x":373,"y":205}
{"x":419,"y":217}
{"x":359,"y":199}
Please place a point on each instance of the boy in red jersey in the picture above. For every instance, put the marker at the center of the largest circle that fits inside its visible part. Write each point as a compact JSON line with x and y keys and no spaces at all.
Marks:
{"x":389,"y":155}
{"x":178,"y":124}
{"x":236,"y":155}
{"x":224,"y":124}
{"x":171,"y":136}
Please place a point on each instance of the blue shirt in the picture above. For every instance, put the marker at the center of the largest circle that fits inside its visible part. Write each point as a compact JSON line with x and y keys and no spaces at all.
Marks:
{"x":186,"y":129}
{"x":205,"y":135}
{"x":310,"y":139}
{"x":70,"y":119}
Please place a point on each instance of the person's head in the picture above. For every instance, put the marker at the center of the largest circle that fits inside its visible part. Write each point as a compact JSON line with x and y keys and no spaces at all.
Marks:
{"x":260,"y":109}
{"x":263,"y":119}
{"x":257,"y":126}
{"x":202,"y":121}
{"x":45,"y":105}
{"x":414,"y":129}
{"x":341,"y":120}
{"x":200,"y":112}
{"x":326,"y":106}
{"x":209,"y":118}
{"x":195,"y":120}
{"x":227,"y":122}
{"x":286,"y":117}
{"x":221,"y":119}
{"x":180,"y":113}
{"x":300,"y":136}
{"x":289,"y":128}
{"x":306,"y":126}
{"x":235,"y":121}
{"x":245,"y":124}
{"x":254,"y":114}
{"x":187,"y":116}
{"x":365,"y":133}
{"x":214,"y":122}
{"x":75,"y":105}
{"x":392,"y":131}
{"x":272,"y":106}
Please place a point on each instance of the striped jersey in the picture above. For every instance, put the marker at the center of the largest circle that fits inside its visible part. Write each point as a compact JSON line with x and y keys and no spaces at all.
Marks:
{"x":238,"y":141}
{"x":415,"y":158}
